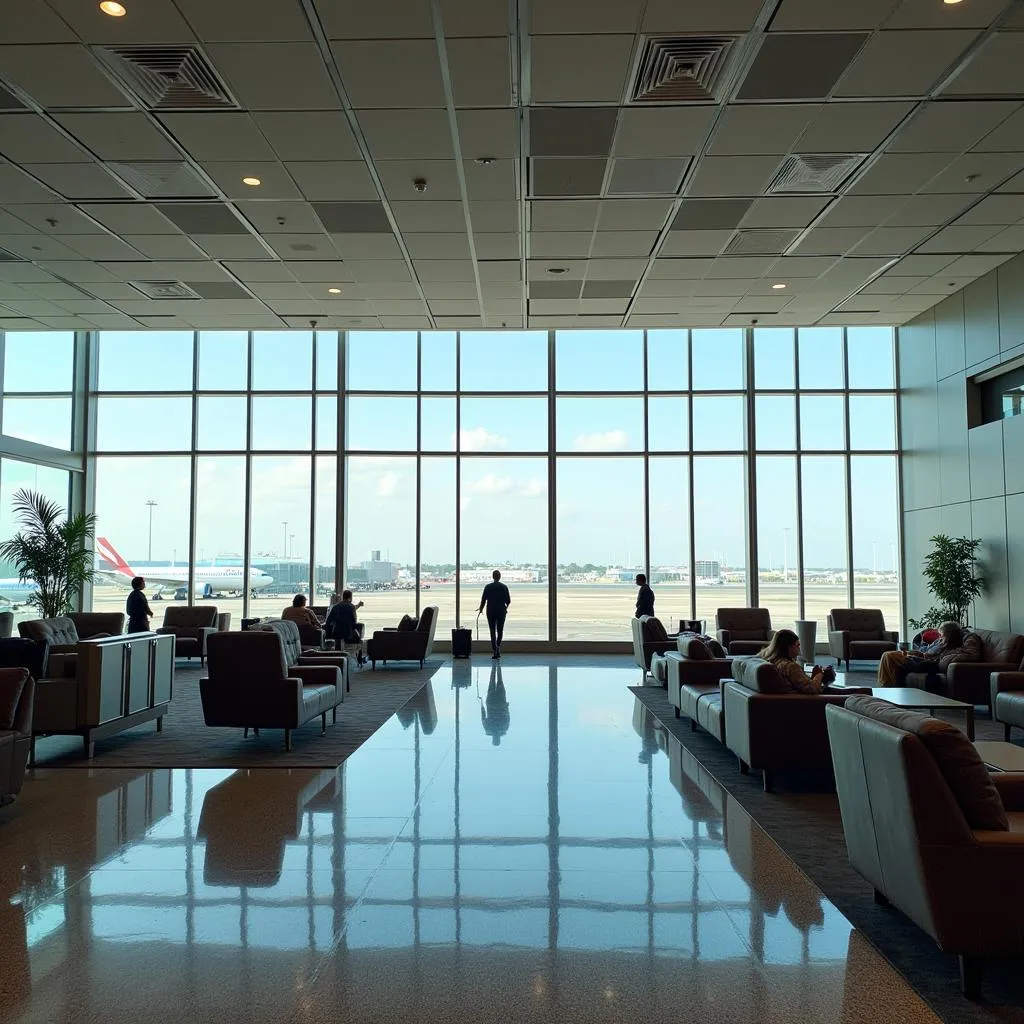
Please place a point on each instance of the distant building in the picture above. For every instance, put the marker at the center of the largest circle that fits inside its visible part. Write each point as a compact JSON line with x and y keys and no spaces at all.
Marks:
{"x":376,"y":570}
{"x":707,"y":570}
{"x":470,"y":576}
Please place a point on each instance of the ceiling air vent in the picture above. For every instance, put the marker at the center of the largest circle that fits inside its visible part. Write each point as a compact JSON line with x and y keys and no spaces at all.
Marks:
{"x":165,"y":289}
{"x":162,"y":180}
{"x":814,"y":174}
{"x":760,"y":242}
{"x":166,"y":77}
{"x":679,"y":69}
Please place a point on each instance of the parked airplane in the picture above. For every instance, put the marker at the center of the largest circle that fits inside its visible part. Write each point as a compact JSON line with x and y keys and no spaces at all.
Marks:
{"x":209,"y":580}
{"x":16,"y":591}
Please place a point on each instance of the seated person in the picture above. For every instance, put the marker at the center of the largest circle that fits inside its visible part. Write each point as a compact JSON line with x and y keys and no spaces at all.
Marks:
{"x":300,"y":614}
{"x":782,"y":652}
{"x":341,"y":625}
{"x":932,"y":659}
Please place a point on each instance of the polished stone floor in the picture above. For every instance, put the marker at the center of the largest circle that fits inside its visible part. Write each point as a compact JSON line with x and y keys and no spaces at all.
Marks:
{"x":513,"y":847}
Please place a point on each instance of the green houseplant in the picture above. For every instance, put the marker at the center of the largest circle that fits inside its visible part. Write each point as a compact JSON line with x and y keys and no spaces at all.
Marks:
{"x":949,"y":569}
{"x":52,"y":550}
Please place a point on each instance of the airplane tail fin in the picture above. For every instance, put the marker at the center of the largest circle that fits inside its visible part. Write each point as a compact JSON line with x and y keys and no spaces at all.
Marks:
{"x":109,"y":553}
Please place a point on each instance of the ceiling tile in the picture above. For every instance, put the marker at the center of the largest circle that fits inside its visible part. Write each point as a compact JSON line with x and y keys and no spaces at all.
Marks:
{"x":580,"y":177}
{"x":564,"y":215}
{"x":436,"y":216}
{"x":904,"y":63}
{"x":102,"y":247}
{"x":674,"y":131}
{"x":852,"y":127}
{"x":154,"y":20}
{"x":900,"y":173}
{"x":366,"y":246}
{"x":476,"y":18}
{"x":202,"y":218}
{"x":799,"y":66}
{"x":488,"y":133}
{"x":493,"y":216}
{"x":633,"y":214}
{"x":495,"y":181}
{"x":830,"y":241}
{"x":407,"y":134}
{"x":479,"y":70}
{"x":555,"y":17}
{"x":623,"y":243}
{"x":48,"y":218}
{"x":78,"y":181}
{"x":240,"y":21}
{"x":332,"y":179}
{"x":1009,"y":240}
{"x":891,"y":241}
{"x":719,"y":16}
{"x":398,"y":176}
{"x":303,"y":247}
{"x":122,"y":135}
{"x":695,"y":243}
{"x":998,"y":69}
{"x":165,"y":247}
{"x":784,"y":212}
{"x":27,"y":138}
{"x":385,"y":19}
{"x":975,"y":173}
{"x":815,"y":16}
{"x":308,"y":135}
{"x":492,"y":245}
{"x":959,"y":239}
{"x":129,"y":218}
{"x":572,"y":131}
{"x":218,"y":135}
{"x":275,"y":182}
{"x":733,"y":175}
{"x":706,"y":214}
{"x":650,"y":177}
{"x":926,"y":210}
{"x":579,"y":68}
{"x":353,"y":218}
{"x":32,"y":21}
{"x":560,"y":245}
{"x":299,"y":81}
{"x":995,"y":209}
{"x":951,"y":127}
{"x":449,"y":245}
{"x":391,"y":72}
{"x":761,"y":128}
{"x":280,"y":217}
{"x":59,"y":76}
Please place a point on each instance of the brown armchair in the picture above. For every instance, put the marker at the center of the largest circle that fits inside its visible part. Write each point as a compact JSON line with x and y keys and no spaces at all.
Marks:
{"x":249,"y":685}
{"x":694,"y":685}
{"x":937,"y":836}
{"x":743,"y":630}
{"x":650,"y":638}
{"x":94,"y":625}
{"x":191,"y":627}
{"x":859,"y":634}
{"x":295,"y":654}
{"x":61,"y":637}
{"x":17,"y":694}
{"x":404,"y":644}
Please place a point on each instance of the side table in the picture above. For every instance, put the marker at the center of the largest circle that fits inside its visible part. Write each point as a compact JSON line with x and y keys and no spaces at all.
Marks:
{"x":806,"y":631}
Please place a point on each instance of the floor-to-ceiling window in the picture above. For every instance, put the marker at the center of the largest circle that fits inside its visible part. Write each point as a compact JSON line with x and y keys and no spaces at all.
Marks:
{"x":732,"y":466}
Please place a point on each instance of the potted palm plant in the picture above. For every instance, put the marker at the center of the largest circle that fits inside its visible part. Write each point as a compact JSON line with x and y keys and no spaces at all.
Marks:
{"x":51,"y":550}
{"x":949,"y":569}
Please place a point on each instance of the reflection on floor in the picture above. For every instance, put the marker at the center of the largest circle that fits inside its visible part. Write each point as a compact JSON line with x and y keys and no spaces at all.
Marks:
{"x":522,"y":842}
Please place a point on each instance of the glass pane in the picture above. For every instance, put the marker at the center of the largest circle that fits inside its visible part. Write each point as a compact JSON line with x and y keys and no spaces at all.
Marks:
{"x":600,"y":546}
{"x":437,"y":360}
{"x":279,"y":528}
{"x":718,"y":423}
{"x":380,"y":545}
{"x":874,"y":499}
{"x":437,"y":543}
{"x":327,"y":360}
{"x":775,"y":422}
{"x":43,"y":420}
{"x":873,"y":422}
{"x":39,"y":361}
{"x":145,"y":361}
{"x":774,"y":362}
{"x":221,"y":423}
{"x":325,"y":529}
{"x":282,"y":360}
{"x":821,"y":423}
{"x":821,"y":357}
{"x":142,"y":508}
{"x":437,"y":424}
{"x":144,"y":424}
{"x":503,"y":521}
{"x":824,"y":540}
{"x":381,"y":424}
{"x":503,"y":360}
{"x":599,"y":360}
{"x":220,"y":528}
{"x":668,"y":360}
{"x":381,"y":361}
{"x":327,"y":423}
{"x":281,"y":424}
{"x":669,"y":505}
{"x":717,"y":360}
{"x":223,"y":360}
{"x":668,"y":424}
{"x":777,"y":533}
{"x":599,"y":424}
{"x":720,"y":531}
{"x":504,"y":424}
{"x":871,"y":358}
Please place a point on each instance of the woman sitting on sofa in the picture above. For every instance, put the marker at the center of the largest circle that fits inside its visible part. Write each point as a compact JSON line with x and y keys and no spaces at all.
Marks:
{"x":782,"y":652}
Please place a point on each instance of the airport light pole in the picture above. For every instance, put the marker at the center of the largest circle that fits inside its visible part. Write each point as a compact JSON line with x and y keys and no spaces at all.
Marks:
{"x":152,"y":505}
{"x":285,"y":525}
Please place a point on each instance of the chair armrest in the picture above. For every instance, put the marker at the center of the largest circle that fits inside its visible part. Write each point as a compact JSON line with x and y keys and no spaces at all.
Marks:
{"x":167,"y":630}
{"x":1011,"y":789}
{"x":848,"y":691}
{"x":771,"y":633}
{"x":837,"y":640}
{"x":891,"y":635}
{"x":975,"y":670}
{"x":205,"y":632}
{"x":23,"y":715}
{"x":1003,"y":682}
{"x":319,"y":675}
{"x":723,"y":636}
{"x":707,"y":671}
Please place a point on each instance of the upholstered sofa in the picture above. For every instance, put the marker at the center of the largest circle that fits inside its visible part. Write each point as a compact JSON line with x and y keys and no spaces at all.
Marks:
{"x":64,"y":632}
{"x":694,"y":685}
{"x":404,"y":644}
{"x":859,"y":634}
{"x":191,"y":626}
{"x":971,"y":681}
{"x":17,"y":693}
{"x":249,"y":685}
{"x":296,"y":653}
{"x":1006,"y":691}
{"x":935,"y":834}
{"x":743,"y":630}
{"x":650,"y":638}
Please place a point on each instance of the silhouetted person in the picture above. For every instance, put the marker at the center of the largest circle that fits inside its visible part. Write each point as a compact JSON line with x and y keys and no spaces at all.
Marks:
{"x":137,"y":607}
{"x":644,"y":597}
{"x":341,"y":625}
{"x":496,"y":600}
{"x":300,"y":614}
{"x":494,"y":709}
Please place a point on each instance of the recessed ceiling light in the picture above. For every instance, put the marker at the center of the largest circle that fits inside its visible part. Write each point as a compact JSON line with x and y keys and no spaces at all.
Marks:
{"x":114,"y":9}
{"x":778,"y":287}
{"x":334,"y":291}
{"x":250,"y":180}
{"x":558,"y":270}
{"x":950,"y":3}
{"x":485,"y":160}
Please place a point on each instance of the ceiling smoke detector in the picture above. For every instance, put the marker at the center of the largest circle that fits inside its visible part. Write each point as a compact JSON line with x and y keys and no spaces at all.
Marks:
{"x":419,"y":184}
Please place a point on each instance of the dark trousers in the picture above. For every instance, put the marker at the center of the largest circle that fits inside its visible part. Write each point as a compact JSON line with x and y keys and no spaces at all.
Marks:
{"x":496,"y":624}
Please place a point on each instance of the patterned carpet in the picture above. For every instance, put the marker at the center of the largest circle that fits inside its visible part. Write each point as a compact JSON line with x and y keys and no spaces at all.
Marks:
{"x":186,"y":741}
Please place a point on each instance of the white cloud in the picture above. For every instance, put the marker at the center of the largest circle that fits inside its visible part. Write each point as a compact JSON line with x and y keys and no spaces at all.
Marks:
{"x":388,"y":485}
{"x":534,"y":488}
{"x":608,"y":441}
{"x":491,"y":484}
{"x":480,"y":439}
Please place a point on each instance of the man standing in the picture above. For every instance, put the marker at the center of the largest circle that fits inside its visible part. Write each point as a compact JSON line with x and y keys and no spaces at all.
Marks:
{"x":645,"y":597}
{"x":496,"y":600}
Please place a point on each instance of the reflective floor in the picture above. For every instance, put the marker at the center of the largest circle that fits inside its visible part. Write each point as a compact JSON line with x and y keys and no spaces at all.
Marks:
{"x":522,"y":843}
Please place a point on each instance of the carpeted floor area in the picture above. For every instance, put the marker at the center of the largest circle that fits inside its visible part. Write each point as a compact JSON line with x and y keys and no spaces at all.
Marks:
{"x":187,"y":742}
{"x":802,"y":816}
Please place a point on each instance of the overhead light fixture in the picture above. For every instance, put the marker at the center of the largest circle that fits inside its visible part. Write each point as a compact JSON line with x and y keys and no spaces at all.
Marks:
{"x":950,"y":3}
{"x":778,"y":287}
{"x":485,"y":160}
{"x":114,"y":9}
{"x":334,"y":291}
{"x":558,"y":270}
{"x":250,"y":180}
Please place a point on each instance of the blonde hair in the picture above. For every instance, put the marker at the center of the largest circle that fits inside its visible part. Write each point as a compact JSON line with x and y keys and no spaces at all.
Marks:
{"x":779,"y":645}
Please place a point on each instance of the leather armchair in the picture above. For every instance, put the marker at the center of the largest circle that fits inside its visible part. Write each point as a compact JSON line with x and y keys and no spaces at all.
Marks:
{"x":743,"y":630}
{"x":16,"y":734}
{"x":404,"y":645}
{"x":249,"y":685}
{"x":61,"y":637}
{"x":694,"y":687}
{"x":859,"y":634}
{"x":191,"y":627}
{"x":931,"y":830}
{"x":650,"y":638}
{"x":294,"y":654}
{"x":1007,"y":696}
{"x":92,"y":625}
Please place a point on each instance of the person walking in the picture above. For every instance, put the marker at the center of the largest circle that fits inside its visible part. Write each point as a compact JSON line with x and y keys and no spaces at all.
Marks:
{"x":137,"y":607}
{"x":496,"y":600}
{"x":644,"y":597}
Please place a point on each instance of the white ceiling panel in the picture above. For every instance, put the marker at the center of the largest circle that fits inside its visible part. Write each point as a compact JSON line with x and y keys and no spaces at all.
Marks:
{"x":451,"y":245}
{"x":784,"y":212}
{"x":237,"y":21}
{"x":386,"y":19}
{"x":403,"y":73}
{"x":734,"y":175}
{"x":26,"y":138}
{"x":78,"y":181}
{"x":558,"y":17}
{"x":962,"y":238}
{"x":479,"y":70}
{"x":564,"y":215}
{"x":32,"y":21}
{"x":332,"y":179}
{"x":218,"y":136}
{"x":976,"y":173}
{"x":165,"y":247}
{"x":299,"y":81}
{"x":995,"y":209}
{"x":59,"y":76}
{"x":852,"y":127}
{"x":571,"y":69}
{"x":488,"y":133}
{"x":476,"y":18}
{"x":695,"y":243}
{"x":900,"y":173}
{"x":951,"y":127}
{"x":125,"y":135}
{"x":407,"y":134}
{"x":998,"y":70}
{"x":927,"y":210}
{"x":928,"y":14}
{"x":673,"y":131}
{"x":439,"y":216}
{"x":815,"y":16}
{"x":398,"y":177}
{"x":904,"y":63}
{"x":275,"y":182}
{"x":752,"y":129}
{"x":308,"y":135}
{"x":715,"y":16}
{"x":129,"y":218}
{"x":47,"y":218}
{"x":1008,"y":240}
{"x":155,"y":19}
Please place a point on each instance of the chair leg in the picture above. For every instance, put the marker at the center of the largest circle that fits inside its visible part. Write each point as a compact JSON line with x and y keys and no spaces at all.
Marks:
{"x":744,"y":767}
{"x":287,"y":739}
{"x":255,"y":731}
{"x":766,"y":781}
{"x":693,"y":725}
{"x":881,"y":899}
{"x":334,"y":714}
{"x":972,"y":969}
{"x":676,"y":712}
{"x":1006,"y":732}
{"x":323,"y":723}
{"x":245,"y":733}
{"x":160,"y":724}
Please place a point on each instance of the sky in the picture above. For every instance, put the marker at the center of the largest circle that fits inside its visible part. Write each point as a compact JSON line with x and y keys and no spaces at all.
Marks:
{"x":502,"y":502}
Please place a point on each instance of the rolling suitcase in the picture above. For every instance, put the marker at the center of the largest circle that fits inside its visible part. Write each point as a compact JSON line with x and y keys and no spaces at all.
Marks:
{"x":462,"y":643}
